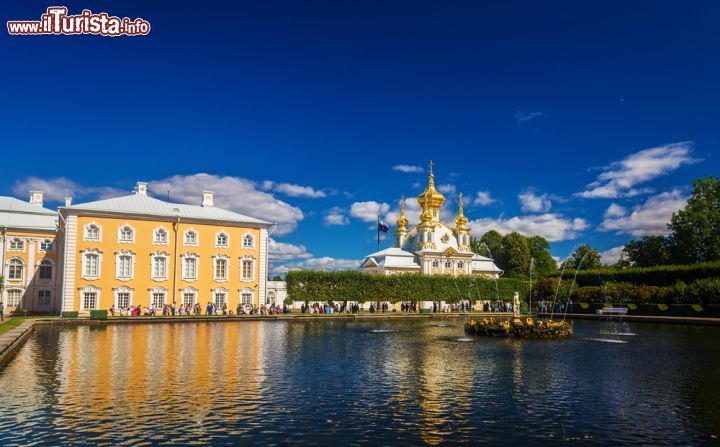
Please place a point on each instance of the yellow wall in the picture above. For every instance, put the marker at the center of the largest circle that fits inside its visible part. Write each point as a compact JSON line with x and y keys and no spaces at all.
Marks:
{"x":143,"y":248}
{"x":31,"y":255}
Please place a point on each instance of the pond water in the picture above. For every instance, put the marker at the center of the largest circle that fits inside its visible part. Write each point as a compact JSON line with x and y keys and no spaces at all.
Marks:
{"x":409,"y":382}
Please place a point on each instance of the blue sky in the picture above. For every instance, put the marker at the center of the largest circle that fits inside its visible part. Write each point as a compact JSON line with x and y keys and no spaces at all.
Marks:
{"x":585,"y":123}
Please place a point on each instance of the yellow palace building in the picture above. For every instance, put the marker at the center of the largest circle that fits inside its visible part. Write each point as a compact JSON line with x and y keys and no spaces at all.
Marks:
{"x":137,"y":250}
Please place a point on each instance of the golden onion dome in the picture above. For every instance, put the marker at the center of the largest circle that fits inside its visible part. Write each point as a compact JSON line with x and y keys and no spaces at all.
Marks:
{"x":402,"y":221}
{"x":431,"y":197}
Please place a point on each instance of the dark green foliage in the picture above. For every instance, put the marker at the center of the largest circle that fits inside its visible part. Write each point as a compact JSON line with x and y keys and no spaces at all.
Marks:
{"x":315,"y":285}
{"x":649,"y":251}
{"x":512,"y":253}
{"x":695,"y":230}
{"x":584,"y":258}
{"x":661,"y":276}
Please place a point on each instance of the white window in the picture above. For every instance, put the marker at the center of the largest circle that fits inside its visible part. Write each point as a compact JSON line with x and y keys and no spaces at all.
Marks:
{"x":435,"y":263}
{"x":190,"y":237}
{"x":125,"y":266}
{"x":248,"y":241}
{"x":44,"y":297}
{"x":46,"y":245}
{"x":246,"y":272}
{"x":45,"y":269}
{"x":157,"y":300}
{"x":92,"y":265}
{"x":461,"y":264}
{"x":15,"y":269}
{"x":122,"y":299}
{"x":246,"y":297}
{"x":270,"y":298}
{"x":448,"y":264}
{"x":92,"y":232}
{"x":221,"y":269}
{"x":13,"y":297}
{"x":159,"y":267}
{"x":17,"y":244}
{"x":189,"y":268}
{"x":89,"y":300}
{"x":126,"y":234}
{"x":188,"y":298}
{"x":221,"y":240}
{"x":160,"y":236}
{"x":220,"y":299}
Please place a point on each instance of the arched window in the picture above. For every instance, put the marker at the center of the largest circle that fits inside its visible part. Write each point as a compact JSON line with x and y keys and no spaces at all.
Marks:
{"x":92,"y":232}
{"x":17,"y":244}
{"x":161,"y":236}
{"x":190,"y":237}
{"x":126,"y":234}
{"x":91,"y":265}
{"x":448,"y":264}
{"x":221,"y":240}
{"x":15,"y":269}
{"x":125,"y":266}
{"x":248,"y":241}
{"x":45,"y":269}
{"x":435,"y":263}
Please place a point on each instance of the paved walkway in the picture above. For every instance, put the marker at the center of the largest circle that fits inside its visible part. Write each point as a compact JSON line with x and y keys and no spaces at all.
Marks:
{"x":11,"y":340}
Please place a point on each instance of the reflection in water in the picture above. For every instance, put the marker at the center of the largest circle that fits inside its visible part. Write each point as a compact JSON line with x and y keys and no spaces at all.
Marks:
{"x":330,"y":383}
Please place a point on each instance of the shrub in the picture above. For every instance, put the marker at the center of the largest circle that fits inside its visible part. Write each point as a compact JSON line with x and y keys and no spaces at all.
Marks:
{"x":666,"y":275}
{"x":704,"y":291}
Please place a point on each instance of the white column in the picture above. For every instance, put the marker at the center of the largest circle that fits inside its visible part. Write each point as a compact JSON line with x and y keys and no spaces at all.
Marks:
{"x":263,"y":266}
{"x":68,"y":264}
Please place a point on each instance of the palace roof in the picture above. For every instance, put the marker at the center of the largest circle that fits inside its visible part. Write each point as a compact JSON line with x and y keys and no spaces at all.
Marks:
{"x":391,"y":257}
{"x":141,"y":204}
{"x":16,"y":213}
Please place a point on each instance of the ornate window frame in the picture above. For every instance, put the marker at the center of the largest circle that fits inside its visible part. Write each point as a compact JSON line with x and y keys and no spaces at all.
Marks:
{"x":158,"y":289}
{"x":15,"y":240}
{"x":153,"y":256}
{"x":156,"y":231}
{"x":247,"y":290}
{"x":219,"y":290}
{"x":20,"y":291}
{"x":189,"y":290}
{"x":196,"y":257}
{"x":252,"y":268}
{"x":227,"y":268}
{"x":120,"y":231}
{"x":89,"y":289}
{"x":227,"y":239}
{"x":250,"y":246}
{"x":23,"y":269}
{"x":44,"y":262}
{"x":83,"y":263}
{"x":197,"y":238}
{"x":85,"y":232}
{"x":46,"y":250}
{"x":120,"y":254}
{"x":123,"y":289}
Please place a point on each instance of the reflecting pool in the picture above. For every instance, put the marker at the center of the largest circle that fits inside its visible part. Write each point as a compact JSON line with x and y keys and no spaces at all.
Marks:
{"x":408,"y":382}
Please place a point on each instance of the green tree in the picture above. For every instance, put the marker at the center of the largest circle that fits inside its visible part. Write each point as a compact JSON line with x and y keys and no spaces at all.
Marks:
{"x":584,"y":258}
{"x":540,"y":251}
{"x":695,"y":230}
{"x":517,"y":255}
{"x":649,"y":251}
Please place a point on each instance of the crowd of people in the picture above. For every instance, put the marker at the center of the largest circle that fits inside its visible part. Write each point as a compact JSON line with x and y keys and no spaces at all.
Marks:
{"x":197,"y":310}
{"x":546,"y":307}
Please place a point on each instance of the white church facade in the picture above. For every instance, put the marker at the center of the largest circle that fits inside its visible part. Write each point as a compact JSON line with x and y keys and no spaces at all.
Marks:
{"x":431,"y":247}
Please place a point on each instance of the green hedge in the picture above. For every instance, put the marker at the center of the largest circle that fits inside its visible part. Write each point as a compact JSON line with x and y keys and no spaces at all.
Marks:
{"x":315,"y":285}
{"x":661,"y":276}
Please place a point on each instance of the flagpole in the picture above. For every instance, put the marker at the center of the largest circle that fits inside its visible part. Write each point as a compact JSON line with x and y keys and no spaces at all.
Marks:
{"x":378,"y":232}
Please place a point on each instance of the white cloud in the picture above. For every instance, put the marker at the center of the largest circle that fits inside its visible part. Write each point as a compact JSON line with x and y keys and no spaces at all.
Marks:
{"x":483,"y":198}
{"x":234,"y":193}
{"x":56,"y":189}
{"x":408,"y":168}
{"x":650,"y":217}
{"x":292,"y":190}
{"x":368,"y":211}
{"x":620,"y":178}
{"x":615,"y":210}
{"x":553,"y":227}
{"x":284,"y":251}
{"x":534,"y":203}
{"x":612,"y":255}
{"x":335,"y":216}
{"x":522,"y":116}
{"x":447,"y":189}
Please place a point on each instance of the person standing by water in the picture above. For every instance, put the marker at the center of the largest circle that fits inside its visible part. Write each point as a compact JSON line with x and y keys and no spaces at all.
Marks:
{"x":2,"y":311}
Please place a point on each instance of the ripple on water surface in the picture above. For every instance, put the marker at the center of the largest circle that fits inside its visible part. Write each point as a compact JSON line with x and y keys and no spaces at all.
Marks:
{"x":331,"y":383}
